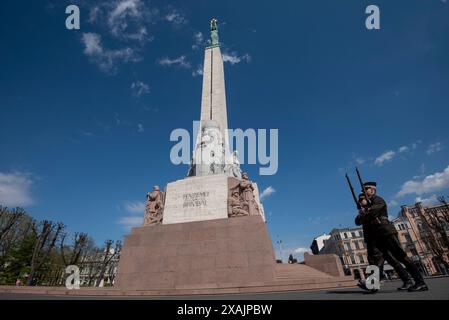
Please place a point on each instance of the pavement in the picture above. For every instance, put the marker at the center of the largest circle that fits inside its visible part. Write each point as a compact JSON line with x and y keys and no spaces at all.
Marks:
{"x":438,"y":290}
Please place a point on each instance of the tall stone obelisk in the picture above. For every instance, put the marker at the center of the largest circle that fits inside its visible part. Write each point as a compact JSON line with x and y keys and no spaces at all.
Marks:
{"x":211,"y":153}
{"x":213,"y":101}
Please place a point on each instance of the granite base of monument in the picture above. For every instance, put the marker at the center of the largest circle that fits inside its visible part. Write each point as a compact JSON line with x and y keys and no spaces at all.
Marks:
{"x":213,"y":257}
{"x":201,"y":254}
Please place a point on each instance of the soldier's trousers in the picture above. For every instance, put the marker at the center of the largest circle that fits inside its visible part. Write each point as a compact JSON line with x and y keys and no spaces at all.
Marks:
{"x":391,"y":248}
{"x":377,"y":258}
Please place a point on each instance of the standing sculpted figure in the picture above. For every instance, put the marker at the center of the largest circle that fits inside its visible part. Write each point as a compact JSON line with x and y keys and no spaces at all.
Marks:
{"x":247,"y":188}
{"x":233,"y":167}
{"x":154,"y":207}
{"x":236,"y":206}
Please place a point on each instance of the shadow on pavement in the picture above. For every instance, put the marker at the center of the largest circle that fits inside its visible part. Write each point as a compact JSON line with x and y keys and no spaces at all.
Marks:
{"x":360,"y":292}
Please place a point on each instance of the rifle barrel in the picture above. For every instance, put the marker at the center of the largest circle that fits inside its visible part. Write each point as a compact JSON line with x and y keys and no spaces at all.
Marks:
{"x":354,"y":197}
{"x":361,"y":184}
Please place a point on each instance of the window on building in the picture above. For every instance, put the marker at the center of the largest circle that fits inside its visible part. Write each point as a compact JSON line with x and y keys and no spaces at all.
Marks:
{"x":345,"y":235}
{"x":347,"y":246}
{"x":407,"y":238}
{"x":353,"y":259}
{"x":361,"y":244}
{"x":353,"y":234}
{"x":361,"y":258}
{"x":361,"y":233}
{"x":356,"y":243}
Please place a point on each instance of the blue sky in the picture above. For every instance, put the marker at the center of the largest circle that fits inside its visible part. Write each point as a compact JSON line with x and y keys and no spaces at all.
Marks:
{"x":85,"y":115}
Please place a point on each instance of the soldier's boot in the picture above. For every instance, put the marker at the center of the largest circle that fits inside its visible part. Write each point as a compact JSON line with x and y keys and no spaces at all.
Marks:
{"x":362,"y":285}
{"x":406,"y":285}
{"x":418,"y":287}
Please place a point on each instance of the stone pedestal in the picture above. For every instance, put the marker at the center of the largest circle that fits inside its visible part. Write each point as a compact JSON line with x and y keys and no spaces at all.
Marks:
{"x":196,"y":199}
{"x":203,"y":254}
{"x":327,"y":263}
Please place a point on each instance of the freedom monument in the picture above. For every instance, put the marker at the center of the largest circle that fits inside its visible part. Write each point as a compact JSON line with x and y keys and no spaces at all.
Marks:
{"x":206,"y":233}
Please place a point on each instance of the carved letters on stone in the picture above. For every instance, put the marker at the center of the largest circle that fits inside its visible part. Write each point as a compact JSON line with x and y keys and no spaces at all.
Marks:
{"x":195,"y":199}
{"x":154,"y":208}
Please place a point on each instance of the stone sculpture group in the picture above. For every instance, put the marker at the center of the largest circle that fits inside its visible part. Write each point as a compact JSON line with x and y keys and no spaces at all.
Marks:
{"x":241,"y":201}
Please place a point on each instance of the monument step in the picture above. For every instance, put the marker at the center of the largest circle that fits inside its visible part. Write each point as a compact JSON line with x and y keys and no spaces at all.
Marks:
{"x":277,"y":286}
{"x":299,"y":271}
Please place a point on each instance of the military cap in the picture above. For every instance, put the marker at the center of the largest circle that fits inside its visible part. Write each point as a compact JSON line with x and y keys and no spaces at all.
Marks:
{"x":370,"y":184}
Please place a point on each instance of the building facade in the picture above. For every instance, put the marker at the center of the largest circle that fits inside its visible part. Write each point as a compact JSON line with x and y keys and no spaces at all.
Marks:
{"x":318,"y":243}
{"x":349,"y":245}
{"x":429,"y":229}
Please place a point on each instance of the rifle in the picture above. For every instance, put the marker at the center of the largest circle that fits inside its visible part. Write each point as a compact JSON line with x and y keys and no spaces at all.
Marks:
{"x":353,"y":193}
{"x":361,"y":186}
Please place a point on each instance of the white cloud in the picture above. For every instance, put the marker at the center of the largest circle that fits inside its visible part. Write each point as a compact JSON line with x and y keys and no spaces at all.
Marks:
{"x":360,"y":160}
{"x":302,"y":250}
{"x":131,"y":221}
{"x":199,"y":40}
{"x":179,"y":61}
{"x":416,"y":144}
{"x":15,"y":189}
{"x":92,"y":44}
{"x":431,"y":183}
{"x":427,"y":201}
{"x":87,"y":133}
{"x":267,"y":192}
{"x":139,"y":88}
{"x":125,"y":8}
{"x":127,"y":19}
{"x":140,"y":127}
{"x":176,"y":17}
{"x":198,"y":71}
{"x":390,"y":154}
{"x":106,"y":59}
{"x":386,"y":156}
{"x":234,"y":58}
{"x":93,"y":14}
{"x":403,"y":149}
{"x":393,"y":203}
{"x":434,"y":148}
{"x":135,"y":207}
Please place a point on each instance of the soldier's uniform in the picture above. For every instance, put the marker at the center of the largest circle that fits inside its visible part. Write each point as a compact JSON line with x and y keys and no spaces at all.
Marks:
{"x":375,"y":256}
{"x":385,"y":238}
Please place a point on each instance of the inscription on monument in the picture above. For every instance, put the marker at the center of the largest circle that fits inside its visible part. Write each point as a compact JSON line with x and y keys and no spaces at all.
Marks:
{"x":195,"y":199}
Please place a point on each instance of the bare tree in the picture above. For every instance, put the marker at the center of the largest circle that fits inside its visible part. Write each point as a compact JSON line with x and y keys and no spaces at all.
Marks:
{"x":435,"y":231}
{"x":109,"y":253}
{"x":76,"y":251}
{"x":46,"y":239}
{"x":8,"y":220}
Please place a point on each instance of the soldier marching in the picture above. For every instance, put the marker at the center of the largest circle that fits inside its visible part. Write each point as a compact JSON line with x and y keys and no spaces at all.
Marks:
{"x":381,"y":237}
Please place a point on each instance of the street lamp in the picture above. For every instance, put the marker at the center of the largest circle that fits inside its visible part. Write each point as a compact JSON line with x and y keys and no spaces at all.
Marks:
{"x":279,"y":242}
